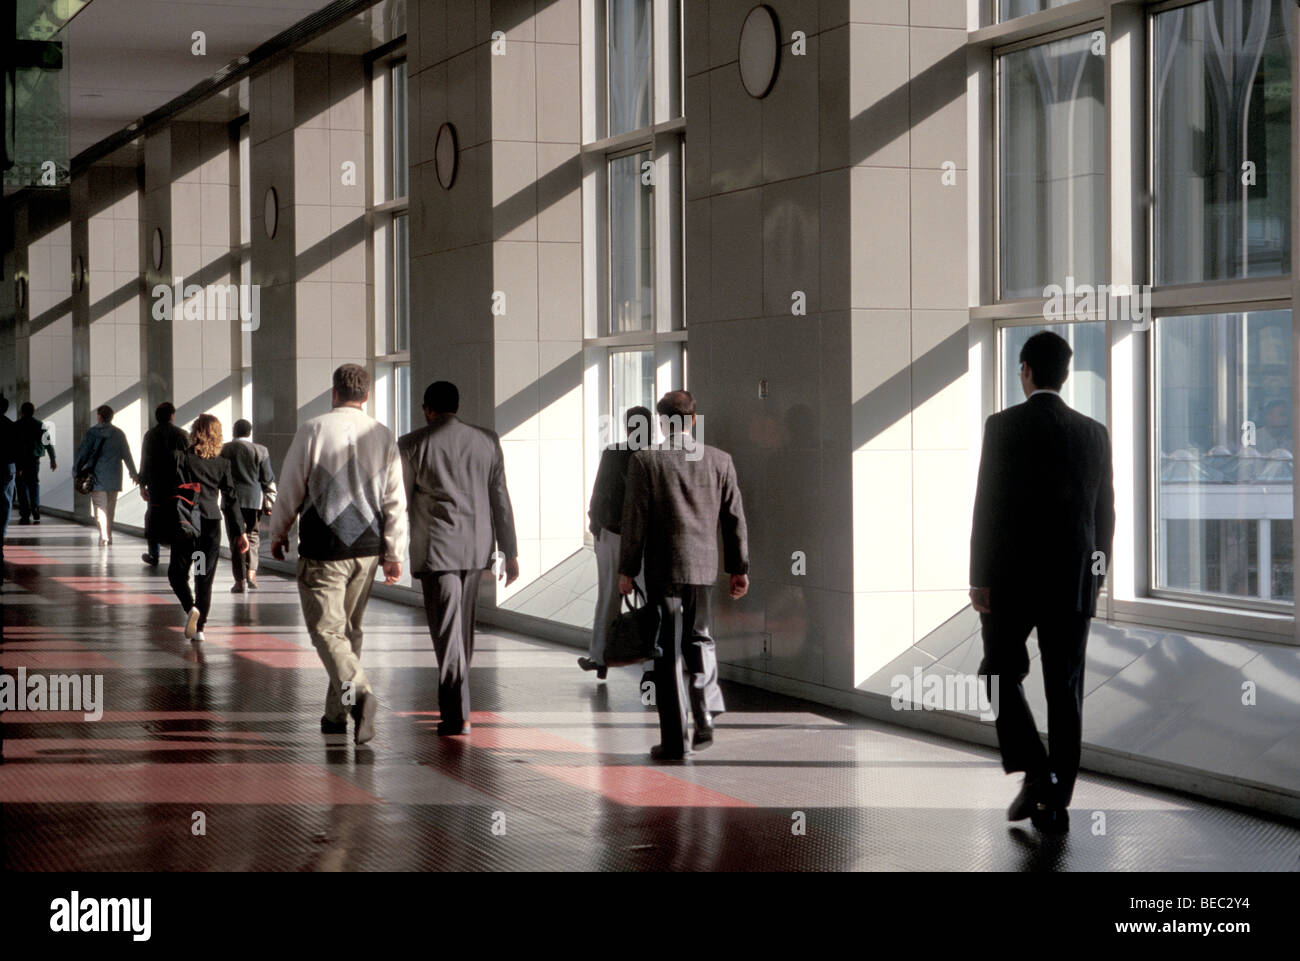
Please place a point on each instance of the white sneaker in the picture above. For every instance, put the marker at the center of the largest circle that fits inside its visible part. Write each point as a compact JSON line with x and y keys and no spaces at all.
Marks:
{"x":198,"y":636}
{"x":192,"y":625}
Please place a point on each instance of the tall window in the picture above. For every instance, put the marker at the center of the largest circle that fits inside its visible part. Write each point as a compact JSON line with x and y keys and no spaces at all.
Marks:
{"x":1223,"y":396}
{"x":1222,"y":141}
{"x":244,"y":255}
{"x":1222,"y":391}
{"x":1052,"y":165}
{"x":635,"y":340}
{"x":391,"y":244}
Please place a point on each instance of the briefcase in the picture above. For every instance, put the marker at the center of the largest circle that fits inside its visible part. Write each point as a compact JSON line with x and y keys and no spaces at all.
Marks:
{"x":633,"y":635}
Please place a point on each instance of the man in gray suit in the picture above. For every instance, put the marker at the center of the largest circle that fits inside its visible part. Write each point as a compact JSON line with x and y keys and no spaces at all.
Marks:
{"x":678,"y":494}
{"x":250,"y":467}
{"x":456,"y":491}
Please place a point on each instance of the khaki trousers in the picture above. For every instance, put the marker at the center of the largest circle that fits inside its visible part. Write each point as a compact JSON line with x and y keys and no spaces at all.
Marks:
{"x":103,"y":505}
{"x":334,"y":596}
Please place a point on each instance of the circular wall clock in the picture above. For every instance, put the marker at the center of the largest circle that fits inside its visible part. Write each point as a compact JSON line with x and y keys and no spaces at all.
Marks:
{"x":760,"y":51}
{"x":157,"y":248}
{"x":446,"y":155}
{"x":270,"y":211}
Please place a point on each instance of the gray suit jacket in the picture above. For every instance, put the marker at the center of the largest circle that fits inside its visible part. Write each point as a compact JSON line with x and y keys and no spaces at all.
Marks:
{"x":675,"y":501}
{"x":456,"y":492}
{"x":250,"y":466}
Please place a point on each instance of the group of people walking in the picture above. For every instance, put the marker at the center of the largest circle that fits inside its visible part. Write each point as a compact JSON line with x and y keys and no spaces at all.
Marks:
{"x":1042,"y":531}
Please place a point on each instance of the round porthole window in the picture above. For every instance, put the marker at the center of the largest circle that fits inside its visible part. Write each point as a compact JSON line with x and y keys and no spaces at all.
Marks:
{"x":446,"y":155}
{"x":157,"y":248}
{"x":270,"y":211}
{"x":760,"y":49}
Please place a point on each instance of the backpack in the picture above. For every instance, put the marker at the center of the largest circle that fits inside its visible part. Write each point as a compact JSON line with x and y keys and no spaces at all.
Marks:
{"x":188,"y":514}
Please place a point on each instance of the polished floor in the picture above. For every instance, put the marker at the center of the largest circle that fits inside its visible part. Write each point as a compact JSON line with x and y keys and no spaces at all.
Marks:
{"x":213,"y":760}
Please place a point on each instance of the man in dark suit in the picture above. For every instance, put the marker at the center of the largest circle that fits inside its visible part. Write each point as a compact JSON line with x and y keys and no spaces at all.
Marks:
{"x":250,"y":467}
{"x":678,"y":494}
{"x":606,"y":516}
{"x":9,"y":455}
{"x":33,"y":444}
{"x":158,"y":478}
{"x":456,"y":492}
{"x":1040,"y":547}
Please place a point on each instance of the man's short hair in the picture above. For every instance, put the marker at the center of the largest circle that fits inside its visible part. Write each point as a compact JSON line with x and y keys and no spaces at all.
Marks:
{"x":352,"y":383}
{"x":1048,"y":358}
{"x":164,"y":412}
{"x":28,"y":409}
{"x":676,"y":403}
{"x":442,"y":397}
{"x":243,"y":428}
{"x":105,"y":413}
{"x":635,"y":416}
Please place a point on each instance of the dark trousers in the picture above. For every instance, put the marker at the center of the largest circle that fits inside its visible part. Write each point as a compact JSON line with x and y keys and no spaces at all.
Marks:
{"x":1062,"y":642}
{"x":686,"y":672}
{"x":6,"y":502}
{"x":242,"y":562}
{"x":183,"y":549}
{"x":29,"y":492}
{"x":450,"y":602}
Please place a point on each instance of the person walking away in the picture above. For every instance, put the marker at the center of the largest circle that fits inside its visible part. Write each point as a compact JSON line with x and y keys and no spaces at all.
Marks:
{"x":250,"y":465}
{"x":678,"y":496}
{"x":8,"y":472}
{"x":158,"y":478}
{"x":1041,"y":536}
{"x":33,"y":444}
{"x":342,"y":480}
{"x":202,"y":464}
{"x":103,"y":451}
{"x":606,"y":516}
{"x":455,"y":480}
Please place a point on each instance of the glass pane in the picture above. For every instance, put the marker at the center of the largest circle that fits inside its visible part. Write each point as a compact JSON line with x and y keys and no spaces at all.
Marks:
{"x":1052,"y":138}
{"x":630,"y":280}
{"x":631,"y":384}
{"x":401,"y":399}
{"x":401,"y":284}
{"x":398,"y":132}
{"x":1085,"y":388}
{"x":1223,"y":103}
{"x":1010,"y":9}
{"x":245,"y":187}
{"x":1223,"y":436}
{"x":629,"y":65}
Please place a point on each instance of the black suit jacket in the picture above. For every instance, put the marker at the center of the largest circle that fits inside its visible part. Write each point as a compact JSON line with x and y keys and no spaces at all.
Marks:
{"x":157,"y":463}
{"x":1044,"y":504}
{"x":250,"y":466}
{"x":606,"y":509}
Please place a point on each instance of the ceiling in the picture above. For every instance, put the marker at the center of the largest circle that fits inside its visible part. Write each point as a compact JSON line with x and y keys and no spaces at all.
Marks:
{"x":127,"y":58}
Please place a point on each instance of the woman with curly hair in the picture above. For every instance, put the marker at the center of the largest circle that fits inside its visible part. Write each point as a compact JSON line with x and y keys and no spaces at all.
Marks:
{"x":202,"y":464}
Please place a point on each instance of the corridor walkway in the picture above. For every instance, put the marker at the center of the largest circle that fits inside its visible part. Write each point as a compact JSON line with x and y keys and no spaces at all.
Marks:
{"x":213,"y":760}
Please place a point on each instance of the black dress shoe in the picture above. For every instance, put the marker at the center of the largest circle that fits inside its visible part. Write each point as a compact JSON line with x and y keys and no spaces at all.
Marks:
{"x":1026,"y":802}
{"x":659,"y":754}
{"x":1051,"y":820}
{"x":363,"y":712}
{"x":703,"y":736}
{"x":587,"y":664}
{"x":333,"y":727}
{"x":451,"y":729}
{"x":149,"y":559}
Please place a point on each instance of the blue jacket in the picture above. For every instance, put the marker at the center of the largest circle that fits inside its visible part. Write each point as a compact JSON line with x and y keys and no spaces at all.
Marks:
{"x":108,"y":467}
